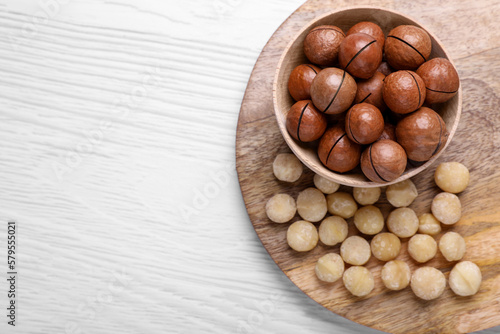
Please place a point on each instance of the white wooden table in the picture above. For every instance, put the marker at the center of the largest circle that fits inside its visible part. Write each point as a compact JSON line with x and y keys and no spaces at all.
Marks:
{"x":117,"y":131}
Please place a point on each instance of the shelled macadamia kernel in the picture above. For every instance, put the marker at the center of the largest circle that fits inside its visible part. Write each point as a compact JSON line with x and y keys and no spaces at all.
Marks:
{"x":341,"y":204}
{"x":452,"y":177}
{"x":403,"y":222}
{"x":333,"y":230}
{"x":325,"y":185}
{"x":428,"y":283}
{"x":369,"y":220}
{"x":385,"y":246}
{"x":358,"y":281}
{"x":330,"y":267}
{"x":452,"y":246}
{"x":447,"y":208}
{"x":396,"y":275}
{"x":311,"y":205}
{"x":366,"y":196}
{"x":281,"y":208}
{"x":428,"y":224}
{"x":401,"y":194}
{"x":465,"y":278}
{"x":355,"y":250}
{"x":302,"y":236}
{"x":422,"y":247}
{"x":287,"y":167}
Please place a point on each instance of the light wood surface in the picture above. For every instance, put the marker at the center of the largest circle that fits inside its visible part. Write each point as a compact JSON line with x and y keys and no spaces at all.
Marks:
{"x":475,"y":51}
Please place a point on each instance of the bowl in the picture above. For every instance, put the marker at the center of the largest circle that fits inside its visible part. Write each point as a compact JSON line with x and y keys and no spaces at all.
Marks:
{"x":293,"y":55}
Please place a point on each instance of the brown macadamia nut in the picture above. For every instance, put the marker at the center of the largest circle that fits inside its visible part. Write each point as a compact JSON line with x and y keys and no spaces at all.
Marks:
{"x":337,"y":152}
{"x":358,"y":281}
{"x":311,"y":205}
{"x":403,"y":222}
{"x":452,"y":177}
{"x":446,"y":208}
{"x":371,"y":91}
{"x":422,"y":134}
{"x":287,"y":167}
{"x":452,"y":246}
{"x":389,"y":132}
{"x":384,"y":68}
{"x":369,"y":220}
{"x":396,"y":275}
{"x":355,"y":250}
{"x":401,"y":194}
{"x":302,"y":236}
{"x":304,"y":122}
{"x":465,"y":278}
{"x":364,"y":123}
{"x":407,"y":47}
{"x":333,"y":90}
{"x":281,"y":208}
{"x":428,"y":283}
{"x":422,"y":247}
{"x":385,"y":246}
{"x":370,"y":29}
{"x":428,"y":224}
{"x":360,"y":55}
{"x":440,"y":78}
{"x":341,"y":204}
{"x":333,"y":230}
{"x":404,"y":92}
{"x":322,"y":43}
{"x":329,"y":268}
{"x":383,"y":161}
{"x":325,"y":185}
{"x":300,"y":80}
{"x":366,"y":196}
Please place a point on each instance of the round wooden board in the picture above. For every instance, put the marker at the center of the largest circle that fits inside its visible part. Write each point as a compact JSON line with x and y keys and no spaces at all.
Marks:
{"x":475,"y":144}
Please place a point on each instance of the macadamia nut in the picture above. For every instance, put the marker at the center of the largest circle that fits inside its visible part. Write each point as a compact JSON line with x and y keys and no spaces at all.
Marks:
{"x":281,"y":208}
{"x":358,"y":281}
{"x":385,"y":246}
{"x":422,"y":247}
{"x":355,"y":250}
{"x":401,"y":194}
{"x":369,"y":220}
{"x":341,"y":204}
{"x":452,"y":246}
{"x":366,"y":196}
{"x":428,"y":283}
{"x":287,"y":167}
{"x":311,"y":205}
{"x":333,"y":230}
{"x":403,"y":222}
{"x":465,"y":278}
{"x":452,"y":177}
{"x":325,"y":185}
{"x":429,"y":224}
{"x":396,"y":275}
{"x":329,"y":267}
{"x":446,"y":208}
{"x":302,"y":236}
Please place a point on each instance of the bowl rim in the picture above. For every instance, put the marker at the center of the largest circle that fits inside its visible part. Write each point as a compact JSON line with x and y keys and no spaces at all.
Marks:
{"x":338,"y":177}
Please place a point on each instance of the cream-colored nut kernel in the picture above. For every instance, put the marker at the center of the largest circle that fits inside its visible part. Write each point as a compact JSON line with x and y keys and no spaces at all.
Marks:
{"x":396,"y":275}
{"x":428,"y":224}
{"x":287,"y":167}
{"x":302,"y":236}
{"x":311,"y":205}
{"x":341,"y":204}
{"x":355,"y":250}
{"x":403,"y":222}
{"x":447,"y":208}
{"x":333,"y":230}
{"x":452,"y":246}
{"x":358,"y":281}
{"x":422,"y":247}
{"x":385,"y":246}
{"x":281,"y":208}
{"x":366,"y":196}
{"x":428,"y":283}
{"x":325,"y":185}
{"x":369,"y":220}
{"x":329,"y":267}
{"x":465,"y":278}
{"x":401,"y":194}
{"x":452,"y":177}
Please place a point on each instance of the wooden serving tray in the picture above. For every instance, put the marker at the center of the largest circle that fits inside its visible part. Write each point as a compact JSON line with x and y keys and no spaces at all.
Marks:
{"x":476,"y":144}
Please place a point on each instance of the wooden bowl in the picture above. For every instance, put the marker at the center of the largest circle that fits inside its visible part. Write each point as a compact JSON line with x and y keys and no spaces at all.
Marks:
{"x":293,"y":55}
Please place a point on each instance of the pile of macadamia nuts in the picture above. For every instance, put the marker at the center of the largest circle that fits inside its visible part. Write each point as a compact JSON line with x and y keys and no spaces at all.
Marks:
{"x":384,"y":89}
{"x":313,"y":205}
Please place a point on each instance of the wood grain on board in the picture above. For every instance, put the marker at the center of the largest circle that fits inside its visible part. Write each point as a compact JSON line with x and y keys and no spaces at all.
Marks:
{"x":475,"y":50}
